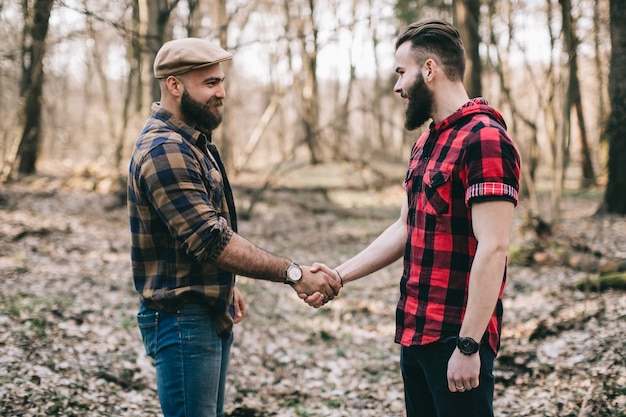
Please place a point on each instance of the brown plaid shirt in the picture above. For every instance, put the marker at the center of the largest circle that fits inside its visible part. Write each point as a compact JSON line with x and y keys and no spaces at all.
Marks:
{"x":179,"y":219}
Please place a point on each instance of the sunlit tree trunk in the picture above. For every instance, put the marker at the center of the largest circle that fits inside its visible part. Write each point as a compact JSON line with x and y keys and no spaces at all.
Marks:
{"x":310,"y":97}
{"x":560,"y":156}
{"x":599,"y":63}
{"x":615,"y":195}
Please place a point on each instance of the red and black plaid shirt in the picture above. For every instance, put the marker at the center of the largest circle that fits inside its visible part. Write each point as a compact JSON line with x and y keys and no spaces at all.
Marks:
{"x":466,"y":158}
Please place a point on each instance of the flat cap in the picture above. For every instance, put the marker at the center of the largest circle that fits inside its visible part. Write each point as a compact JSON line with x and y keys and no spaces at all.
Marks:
{"x":181,"y":55}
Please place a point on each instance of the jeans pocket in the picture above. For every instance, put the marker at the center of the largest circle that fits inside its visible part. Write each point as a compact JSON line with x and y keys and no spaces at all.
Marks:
{"x":149,"y":326}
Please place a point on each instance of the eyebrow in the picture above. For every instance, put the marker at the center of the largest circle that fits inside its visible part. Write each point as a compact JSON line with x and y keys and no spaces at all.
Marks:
{"x":213,"y":79}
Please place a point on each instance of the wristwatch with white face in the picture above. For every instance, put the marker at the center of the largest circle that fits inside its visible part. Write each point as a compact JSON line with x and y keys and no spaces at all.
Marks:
{"x":293,"y":274}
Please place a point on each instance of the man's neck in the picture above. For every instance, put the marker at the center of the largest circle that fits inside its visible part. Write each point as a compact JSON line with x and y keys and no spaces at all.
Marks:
{"x":450,"y":97}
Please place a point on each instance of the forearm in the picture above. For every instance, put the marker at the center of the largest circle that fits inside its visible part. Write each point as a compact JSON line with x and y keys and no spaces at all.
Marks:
{"x":387,"y":248}
{"x":242,"y":257}
{"x":485,"y":284}
{"x":491,"y":222}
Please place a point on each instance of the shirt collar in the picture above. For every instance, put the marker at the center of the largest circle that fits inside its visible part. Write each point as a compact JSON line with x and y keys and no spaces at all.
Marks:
{"x":193,"y":135}
{"x":475,"y":105}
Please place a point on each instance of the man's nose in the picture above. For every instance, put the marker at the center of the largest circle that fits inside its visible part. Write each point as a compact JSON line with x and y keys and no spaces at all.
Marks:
{"x":397,"y":87}
{"x":220,"y":91}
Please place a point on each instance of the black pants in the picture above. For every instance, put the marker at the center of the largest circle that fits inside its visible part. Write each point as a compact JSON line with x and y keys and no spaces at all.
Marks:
{"x":426,"y":393}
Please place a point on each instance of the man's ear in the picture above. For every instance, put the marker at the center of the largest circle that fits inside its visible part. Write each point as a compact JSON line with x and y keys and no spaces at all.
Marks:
{"x":428,"y":69}
{"x":174,"y":86}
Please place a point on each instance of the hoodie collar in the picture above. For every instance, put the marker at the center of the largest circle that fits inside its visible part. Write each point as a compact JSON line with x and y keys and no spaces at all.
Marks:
{"x":474,"y":106}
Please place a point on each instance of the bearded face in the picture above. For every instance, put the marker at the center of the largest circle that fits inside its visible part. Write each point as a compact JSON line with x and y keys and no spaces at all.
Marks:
{"x":419,"y":105}
{"x":205,"y":116}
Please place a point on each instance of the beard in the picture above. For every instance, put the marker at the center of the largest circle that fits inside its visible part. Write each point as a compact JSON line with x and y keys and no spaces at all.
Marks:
{"x":420,"y":104}
{"x":205,"y":116}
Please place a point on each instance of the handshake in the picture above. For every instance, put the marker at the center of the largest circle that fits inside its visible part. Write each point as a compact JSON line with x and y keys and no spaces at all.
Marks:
{"x":319,"y":284}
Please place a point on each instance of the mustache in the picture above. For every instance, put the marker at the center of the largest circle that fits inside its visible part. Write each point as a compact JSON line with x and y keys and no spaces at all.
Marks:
{"x":214,"y":102}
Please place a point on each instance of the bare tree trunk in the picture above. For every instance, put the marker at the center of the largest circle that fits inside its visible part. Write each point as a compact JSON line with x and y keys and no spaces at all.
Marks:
{"x":305,"y":84}
{"x":560,"y":157}
{"x":194,"y":19}
{"x":588,"y":174}
{"x":467,"y":18}
{"x":121,"y":136}
{"x":549,"y":114}
{"x":562,"y":131}
{"x":574,"y":96}
{"x":342,"y":123}
{"x":530,"y":147}
{"x":615,"y":197}
{"x":310,"y":98}
{"x":34,"y":50}
{"x":98,"y":69}
{"x":555,"y":121}
{"x":133,"y":81}
{"x":154,"y":30}
{"x":259,"y":130}
{"x":377,"y":99}
{"x":601,"y":67}
{"x":226,"y":145}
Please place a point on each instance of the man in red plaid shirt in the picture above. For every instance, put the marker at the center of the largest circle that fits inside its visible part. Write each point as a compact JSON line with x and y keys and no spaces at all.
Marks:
{"x":462,"y":186}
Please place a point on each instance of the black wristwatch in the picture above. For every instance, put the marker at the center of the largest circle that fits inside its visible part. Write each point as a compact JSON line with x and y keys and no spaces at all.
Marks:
{"x":467,"y":345}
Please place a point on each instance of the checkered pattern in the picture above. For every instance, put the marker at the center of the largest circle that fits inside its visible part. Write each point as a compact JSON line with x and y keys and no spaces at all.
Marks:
{"x":465,"y":158}
{"x":179,"y":219}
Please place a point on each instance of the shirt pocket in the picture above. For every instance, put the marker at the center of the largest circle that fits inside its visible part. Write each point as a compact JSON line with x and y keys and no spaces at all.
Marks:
{"x":437,"y":191}
{"x":213,"y":184}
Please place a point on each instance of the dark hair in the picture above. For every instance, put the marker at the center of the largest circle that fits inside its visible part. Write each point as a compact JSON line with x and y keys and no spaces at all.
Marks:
{"x":440,"y":38}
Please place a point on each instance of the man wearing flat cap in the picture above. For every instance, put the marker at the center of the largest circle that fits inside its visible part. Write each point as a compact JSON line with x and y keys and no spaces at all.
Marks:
{"x":185,"y":249}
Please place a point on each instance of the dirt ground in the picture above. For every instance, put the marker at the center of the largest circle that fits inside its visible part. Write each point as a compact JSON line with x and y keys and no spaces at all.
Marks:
{"x":69,"y":345}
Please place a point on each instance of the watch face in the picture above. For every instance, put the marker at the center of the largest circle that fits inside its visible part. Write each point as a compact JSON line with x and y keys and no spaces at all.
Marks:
{"x":467,"y":345}
{"x":294,"y":273}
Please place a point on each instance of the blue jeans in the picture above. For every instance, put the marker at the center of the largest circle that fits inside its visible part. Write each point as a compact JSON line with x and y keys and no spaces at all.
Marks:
{"x":190,"y":358}
{"x":426,"y":393}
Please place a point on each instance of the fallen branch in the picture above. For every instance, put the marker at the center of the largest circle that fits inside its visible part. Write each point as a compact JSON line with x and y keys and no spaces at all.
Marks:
{"x":614,"y":281}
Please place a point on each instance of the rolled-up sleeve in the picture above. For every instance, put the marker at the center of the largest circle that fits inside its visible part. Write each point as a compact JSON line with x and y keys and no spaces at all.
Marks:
{"x":493,"y":167}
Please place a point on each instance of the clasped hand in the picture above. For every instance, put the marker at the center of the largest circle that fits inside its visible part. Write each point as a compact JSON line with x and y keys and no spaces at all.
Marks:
{"x":328,"y":281}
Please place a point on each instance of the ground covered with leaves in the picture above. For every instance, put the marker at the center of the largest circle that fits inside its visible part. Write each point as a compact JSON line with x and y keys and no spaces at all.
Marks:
{"x":69,"y":345}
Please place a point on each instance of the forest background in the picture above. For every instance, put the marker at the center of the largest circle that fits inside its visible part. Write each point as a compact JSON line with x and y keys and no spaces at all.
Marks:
{"x":312,"y":128}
